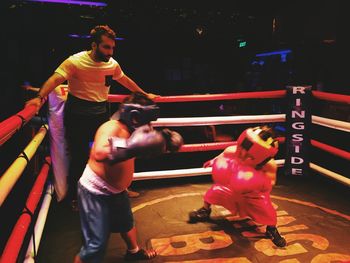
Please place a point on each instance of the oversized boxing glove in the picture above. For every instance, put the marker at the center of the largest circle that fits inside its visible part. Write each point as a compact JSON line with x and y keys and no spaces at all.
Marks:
{"x":173,"y":139}
{"x":144,"y":142}
{"x":222,"y":170}
{"x":246,"y":179}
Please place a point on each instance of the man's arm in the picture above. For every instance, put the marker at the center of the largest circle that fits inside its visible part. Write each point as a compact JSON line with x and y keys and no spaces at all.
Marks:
{"x":227,"y":153}
{"x":144,"y":141}
{"x":55,"y":80}
{"x":270,"y":170}
{"x":29,"y":87}
{"x":133,"y":87}
{"x":230,"y":151}
{"x":101,"y":148}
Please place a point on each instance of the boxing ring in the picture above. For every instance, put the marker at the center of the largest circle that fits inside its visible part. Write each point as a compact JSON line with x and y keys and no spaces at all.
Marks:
{"x":38,"y":237}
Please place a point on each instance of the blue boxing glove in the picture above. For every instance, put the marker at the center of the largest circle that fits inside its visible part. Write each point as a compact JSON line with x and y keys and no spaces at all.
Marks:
{"x":144,"y":142}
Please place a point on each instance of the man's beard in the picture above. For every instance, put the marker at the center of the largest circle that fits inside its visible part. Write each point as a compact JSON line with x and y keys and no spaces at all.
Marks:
{"x":101,"y":57}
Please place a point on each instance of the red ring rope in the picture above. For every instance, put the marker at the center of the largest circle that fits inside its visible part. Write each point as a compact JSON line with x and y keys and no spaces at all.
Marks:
{"x":331,"y":97}
{"x":202,"y":147}
{"x":14,"y":243}
{"x":210,"y":97}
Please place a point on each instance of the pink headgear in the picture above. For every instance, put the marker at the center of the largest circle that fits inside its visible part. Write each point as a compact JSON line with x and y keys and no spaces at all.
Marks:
{"x":259,"y":144}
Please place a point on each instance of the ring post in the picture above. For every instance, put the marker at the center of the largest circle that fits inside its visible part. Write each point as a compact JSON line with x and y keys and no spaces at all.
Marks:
{"x":298,"y":125}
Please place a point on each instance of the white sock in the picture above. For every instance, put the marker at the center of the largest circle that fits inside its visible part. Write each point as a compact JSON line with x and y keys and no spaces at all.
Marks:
{"x":134,"y":250}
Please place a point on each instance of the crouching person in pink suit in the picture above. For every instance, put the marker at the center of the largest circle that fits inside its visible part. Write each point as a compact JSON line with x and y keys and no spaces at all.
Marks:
{"x":243,"y":177}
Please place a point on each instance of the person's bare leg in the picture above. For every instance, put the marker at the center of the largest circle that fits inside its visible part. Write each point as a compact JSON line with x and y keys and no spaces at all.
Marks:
{"x":134,"y":252}
{"x":130,"y":238}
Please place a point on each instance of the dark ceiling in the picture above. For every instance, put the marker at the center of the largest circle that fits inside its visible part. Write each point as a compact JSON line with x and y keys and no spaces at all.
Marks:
{"x":295,"y":21}
{"x":162,"y":34}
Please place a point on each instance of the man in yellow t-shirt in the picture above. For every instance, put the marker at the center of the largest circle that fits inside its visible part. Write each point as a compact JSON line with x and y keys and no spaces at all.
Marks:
{"x":89,"y":75}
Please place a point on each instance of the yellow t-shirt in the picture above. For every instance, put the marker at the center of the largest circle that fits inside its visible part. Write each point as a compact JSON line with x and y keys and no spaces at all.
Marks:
{"x":87,"y":79}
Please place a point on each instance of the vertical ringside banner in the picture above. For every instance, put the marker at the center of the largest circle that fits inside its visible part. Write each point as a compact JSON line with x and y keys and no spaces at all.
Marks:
{"x":298,"y":126}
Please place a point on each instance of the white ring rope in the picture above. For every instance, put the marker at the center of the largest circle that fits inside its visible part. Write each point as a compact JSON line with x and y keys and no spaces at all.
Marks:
{"x":331,"y":123}
{"x":178,"y":173}
{"x":206,"y":171}
{"x":338,"y":177}
{"x":39,"y":225}
{"x":217,"y":120}
{"x":171,"y":173}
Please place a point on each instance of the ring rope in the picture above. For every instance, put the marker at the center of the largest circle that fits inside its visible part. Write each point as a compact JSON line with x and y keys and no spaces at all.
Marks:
{"x":331,"y":149}
{"x":239,"y":95}
{"x":275,"y":94}
{"x":331,"y":123}
{"x":25,"y":156}
{"x":26,"y":210}
{"x":15,"y":122}
{"x":16,"y":239}
{"x":14,"y":172}
{"x":23,"y":121}
{"x":218,"y":120}
{"x":8,"y":126}
{"x":331,"y":97}
{"x":203,"y":147}
{"x":243,"y":119}
{"x":206,"y":171}
{"x":34,"y":243}
{"x":338,"y":177}
{"x":179,"y":172}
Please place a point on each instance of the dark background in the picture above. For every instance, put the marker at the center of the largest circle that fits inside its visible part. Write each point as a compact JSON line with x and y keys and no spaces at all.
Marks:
{"x":163,"y":52}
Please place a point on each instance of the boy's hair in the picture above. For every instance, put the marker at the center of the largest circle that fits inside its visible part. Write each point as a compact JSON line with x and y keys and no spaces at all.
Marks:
{"x":136,"y":110}
{"x":138,"y":98}
{"x":101,"y":30}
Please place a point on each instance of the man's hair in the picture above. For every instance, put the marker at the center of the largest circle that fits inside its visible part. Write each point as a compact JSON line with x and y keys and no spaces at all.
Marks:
{"x":101,"y":30}
{"x":138,"y":98}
